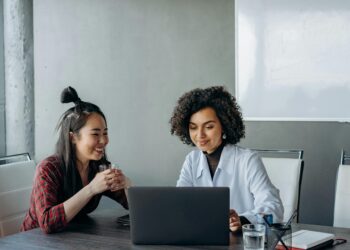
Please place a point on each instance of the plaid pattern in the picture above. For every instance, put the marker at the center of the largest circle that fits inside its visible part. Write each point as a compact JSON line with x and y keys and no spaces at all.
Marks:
{"x":46,"y":203}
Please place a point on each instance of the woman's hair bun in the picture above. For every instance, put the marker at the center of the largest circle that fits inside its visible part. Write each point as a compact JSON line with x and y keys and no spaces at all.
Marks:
{"x":69,"y":94}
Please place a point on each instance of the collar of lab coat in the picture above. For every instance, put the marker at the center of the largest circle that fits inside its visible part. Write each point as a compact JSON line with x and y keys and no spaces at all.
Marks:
{"x":227,"y":152}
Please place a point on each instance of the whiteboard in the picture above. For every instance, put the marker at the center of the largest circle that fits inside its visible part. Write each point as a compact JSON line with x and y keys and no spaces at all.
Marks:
{"x":293,"y":59}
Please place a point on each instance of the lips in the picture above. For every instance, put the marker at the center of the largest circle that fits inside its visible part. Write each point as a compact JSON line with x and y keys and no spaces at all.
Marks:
{"x":202,"y":143}
{"x":99,"y":150}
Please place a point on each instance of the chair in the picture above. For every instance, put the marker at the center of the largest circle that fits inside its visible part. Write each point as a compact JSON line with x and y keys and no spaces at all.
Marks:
{"x":285,"y":169}
{"x":342,"y":193}
{"x":16,"y":177}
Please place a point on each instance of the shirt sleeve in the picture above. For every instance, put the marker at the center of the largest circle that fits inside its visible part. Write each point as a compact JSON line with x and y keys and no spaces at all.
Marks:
{"x":185,"y":178}
{"x":266,"y":196}
{"x":49,"y":210}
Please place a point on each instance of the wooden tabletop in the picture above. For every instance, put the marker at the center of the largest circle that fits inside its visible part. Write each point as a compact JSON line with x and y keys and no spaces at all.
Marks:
{"x":100,"y":230}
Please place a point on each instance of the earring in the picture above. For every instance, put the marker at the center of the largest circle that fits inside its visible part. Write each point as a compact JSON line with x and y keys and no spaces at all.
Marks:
{"x":224,"y":136}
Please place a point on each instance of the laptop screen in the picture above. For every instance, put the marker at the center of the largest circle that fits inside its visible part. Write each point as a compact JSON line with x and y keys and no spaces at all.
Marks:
{"x":179,"y":215}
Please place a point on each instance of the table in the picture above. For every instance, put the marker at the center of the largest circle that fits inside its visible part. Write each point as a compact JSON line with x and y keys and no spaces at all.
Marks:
{"x":100,"y":231}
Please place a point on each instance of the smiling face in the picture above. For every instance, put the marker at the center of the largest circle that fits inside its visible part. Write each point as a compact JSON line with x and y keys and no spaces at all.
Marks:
{"x":91,"y":140}
{"x":205,"y":130}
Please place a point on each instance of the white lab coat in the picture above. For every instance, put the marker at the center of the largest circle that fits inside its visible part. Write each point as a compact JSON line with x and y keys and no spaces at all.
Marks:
{"x":242,"y":170}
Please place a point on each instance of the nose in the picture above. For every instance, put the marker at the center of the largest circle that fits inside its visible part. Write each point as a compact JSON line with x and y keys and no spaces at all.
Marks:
{"x":103,"y":140}
{"x":201,"y":133}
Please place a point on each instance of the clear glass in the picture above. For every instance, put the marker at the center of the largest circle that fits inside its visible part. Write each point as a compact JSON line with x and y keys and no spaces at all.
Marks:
{"x":253,"y":236}
{"x":115,"y":166}
{"x":103,"y":167}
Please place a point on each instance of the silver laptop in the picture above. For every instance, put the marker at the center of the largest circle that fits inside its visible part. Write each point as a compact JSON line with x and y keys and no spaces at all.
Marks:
{"x":179,"y":215}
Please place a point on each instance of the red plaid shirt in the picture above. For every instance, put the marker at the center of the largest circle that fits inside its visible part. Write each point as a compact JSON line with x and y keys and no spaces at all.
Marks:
{"x":46,"y":203}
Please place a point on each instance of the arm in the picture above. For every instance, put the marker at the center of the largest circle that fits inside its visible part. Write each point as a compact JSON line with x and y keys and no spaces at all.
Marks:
{"x":47,"y":192}
{"x":266,"y":195}
{"x":185,"y":178}
{"x":118,"y":190}
{"x":73,"y":205}
{"x":52,"y":215}
{"x":102,"y":182}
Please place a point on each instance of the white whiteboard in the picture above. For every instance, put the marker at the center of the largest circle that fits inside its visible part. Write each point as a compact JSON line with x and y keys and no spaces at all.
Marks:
{"x":293,"y":59}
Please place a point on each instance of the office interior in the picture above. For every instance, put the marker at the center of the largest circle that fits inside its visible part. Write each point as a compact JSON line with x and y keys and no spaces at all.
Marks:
{"x":134,"y":58}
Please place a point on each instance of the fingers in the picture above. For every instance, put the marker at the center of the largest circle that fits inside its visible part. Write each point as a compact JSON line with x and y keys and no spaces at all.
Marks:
{"x":234,"y":221}
{"x":233,"y":213}
{"x":118,"y":181}
{"x":118,"y":184}
{"x":114,"y":179}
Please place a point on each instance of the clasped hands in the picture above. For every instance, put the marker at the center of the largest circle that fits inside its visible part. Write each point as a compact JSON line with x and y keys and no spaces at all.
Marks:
{"x":110,"y":179}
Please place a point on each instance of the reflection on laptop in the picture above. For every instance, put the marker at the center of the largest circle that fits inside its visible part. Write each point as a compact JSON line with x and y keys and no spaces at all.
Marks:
{"x":179,"y":215}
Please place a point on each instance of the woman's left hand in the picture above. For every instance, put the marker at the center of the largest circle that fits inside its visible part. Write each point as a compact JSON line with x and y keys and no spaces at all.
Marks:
{"x":119,"y":181}
{"x":234,"y":221}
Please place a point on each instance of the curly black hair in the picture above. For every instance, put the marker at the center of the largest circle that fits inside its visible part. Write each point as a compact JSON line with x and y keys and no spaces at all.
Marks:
{"x":218,"y":98}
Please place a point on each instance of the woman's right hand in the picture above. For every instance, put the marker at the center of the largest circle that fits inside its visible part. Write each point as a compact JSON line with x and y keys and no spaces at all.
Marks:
{"x":234,"y":221}
{"x":102,"y":181}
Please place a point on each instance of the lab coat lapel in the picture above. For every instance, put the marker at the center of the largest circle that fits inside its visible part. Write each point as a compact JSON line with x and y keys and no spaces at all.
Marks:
{"x":203,"y":173}
{"x":224,"y":164}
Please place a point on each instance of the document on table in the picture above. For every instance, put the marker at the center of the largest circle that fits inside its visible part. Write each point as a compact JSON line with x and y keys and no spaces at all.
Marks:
{"x":305,"y":239}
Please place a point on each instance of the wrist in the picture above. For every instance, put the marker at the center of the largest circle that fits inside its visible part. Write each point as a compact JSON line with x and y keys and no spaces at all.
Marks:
{"x":89,"y":190}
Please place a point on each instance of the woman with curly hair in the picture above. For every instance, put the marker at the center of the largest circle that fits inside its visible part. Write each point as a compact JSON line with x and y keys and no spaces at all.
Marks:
{"x":210,"y":119}
{"x":70,"y":183}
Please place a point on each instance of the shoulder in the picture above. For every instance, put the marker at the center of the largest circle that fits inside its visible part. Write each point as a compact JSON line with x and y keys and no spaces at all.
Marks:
{"x":239,"y":153}
{"x":194,"y":154}
{"x":241,"y":158}
{"x":51,"y":164}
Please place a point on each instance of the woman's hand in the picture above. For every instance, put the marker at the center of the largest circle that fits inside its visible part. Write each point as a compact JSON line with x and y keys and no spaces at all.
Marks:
{"x":119,"y":181}
{"x":102,"y":181}
{"x":234,"y":221}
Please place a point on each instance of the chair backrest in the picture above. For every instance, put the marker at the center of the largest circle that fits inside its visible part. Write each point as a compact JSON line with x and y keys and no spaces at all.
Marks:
{"x":16,"y":180}
{"x":286,"y":174}
{"x":342,"y":194}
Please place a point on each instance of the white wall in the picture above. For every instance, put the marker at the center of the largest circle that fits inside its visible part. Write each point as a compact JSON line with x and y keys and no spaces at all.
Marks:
{"x":133,"y":58}
{"x":292,"y":59}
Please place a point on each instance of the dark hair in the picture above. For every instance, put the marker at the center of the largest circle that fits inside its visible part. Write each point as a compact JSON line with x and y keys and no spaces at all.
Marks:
{"x":72,"y":121}
{"x":218,"y":98}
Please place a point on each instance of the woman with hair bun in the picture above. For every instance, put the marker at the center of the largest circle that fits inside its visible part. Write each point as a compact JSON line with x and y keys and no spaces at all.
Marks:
{"x":210,"y":119}
{"x":69,"y":184}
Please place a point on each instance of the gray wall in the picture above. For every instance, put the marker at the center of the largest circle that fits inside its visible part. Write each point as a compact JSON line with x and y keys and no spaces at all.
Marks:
{"x":2,"y":85}
{"x":322,"y":143}
{"x":134,"y":59}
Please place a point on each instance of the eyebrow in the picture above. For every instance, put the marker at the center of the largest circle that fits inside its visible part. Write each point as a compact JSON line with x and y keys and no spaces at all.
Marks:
{"x":97,"y":129}
{"x":192,"y":123}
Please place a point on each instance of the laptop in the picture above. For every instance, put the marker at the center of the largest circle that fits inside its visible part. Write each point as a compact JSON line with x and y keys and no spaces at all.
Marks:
{"x":179,"y":215}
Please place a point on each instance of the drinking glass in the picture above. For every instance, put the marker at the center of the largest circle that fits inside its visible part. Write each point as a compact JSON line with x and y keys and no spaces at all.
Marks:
{"x":253,"y":236}
{"x":103,"y":167}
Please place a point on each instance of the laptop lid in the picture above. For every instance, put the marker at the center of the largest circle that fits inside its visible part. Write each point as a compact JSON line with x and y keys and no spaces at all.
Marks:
{"x":179,"y":215}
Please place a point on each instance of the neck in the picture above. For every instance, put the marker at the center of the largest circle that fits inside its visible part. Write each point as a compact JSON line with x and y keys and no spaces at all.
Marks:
{"x":212,"y":151}
{"x":82,"y":166}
